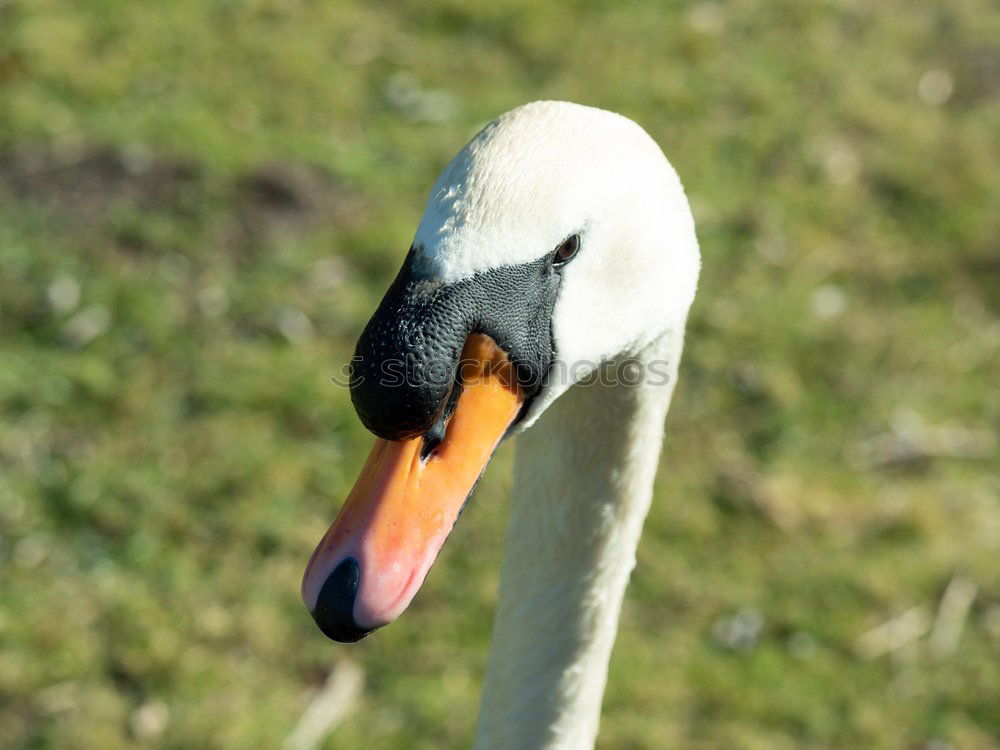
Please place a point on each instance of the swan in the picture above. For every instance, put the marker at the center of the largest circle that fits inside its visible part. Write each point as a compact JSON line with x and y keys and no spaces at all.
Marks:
{"x":545,"y":295}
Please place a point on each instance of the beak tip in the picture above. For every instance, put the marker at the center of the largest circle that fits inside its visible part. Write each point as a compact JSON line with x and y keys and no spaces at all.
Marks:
{"x":334,"y":610}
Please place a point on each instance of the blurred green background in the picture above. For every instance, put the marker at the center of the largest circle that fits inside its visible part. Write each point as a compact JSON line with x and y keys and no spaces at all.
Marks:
{"x":201,"y":203}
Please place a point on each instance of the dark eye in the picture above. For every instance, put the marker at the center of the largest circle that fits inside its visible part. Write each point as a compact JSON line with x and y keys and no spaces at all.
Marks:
{"x":565,"y":252}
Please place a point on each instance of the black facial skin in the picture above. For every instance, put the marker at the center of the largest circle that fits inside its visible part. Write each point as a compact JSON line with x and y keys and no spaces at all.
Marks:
{"x":404,"y":366}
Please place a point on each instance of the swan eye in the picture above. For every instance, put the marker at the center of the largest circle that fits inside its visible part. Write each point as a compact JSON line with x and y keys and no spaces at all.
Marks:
{"x":565,"y":252}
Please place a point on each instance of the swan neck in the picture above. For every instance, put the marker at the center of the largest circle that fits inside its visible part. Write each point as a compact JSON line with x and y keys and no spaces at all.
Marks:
{"x":583,"y":481}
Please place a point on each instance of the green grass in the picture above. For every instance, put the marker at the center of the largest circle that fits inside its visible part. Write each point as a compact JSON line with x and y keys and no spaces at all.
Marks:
{"x":202,"y":202}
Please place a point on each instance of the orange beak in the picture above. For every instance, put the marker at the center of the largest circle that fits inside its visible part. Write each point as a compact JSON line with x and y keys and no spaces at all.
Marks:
{"x":377,"y":552}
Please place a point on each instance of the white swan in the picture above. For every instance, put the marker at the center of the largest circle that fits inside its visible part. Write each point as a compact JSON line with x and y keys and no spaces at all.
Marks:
{"x":559,"y":239}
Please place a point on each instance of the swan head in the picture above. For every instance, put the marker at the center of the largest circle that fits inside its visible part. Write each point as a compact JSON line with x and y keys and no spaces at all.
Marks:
{"x":559,"y":238}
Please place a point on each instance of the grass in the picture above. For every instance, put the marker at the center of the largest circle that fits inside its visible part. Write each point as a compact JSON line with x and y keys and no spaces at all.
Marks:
{"x":202,"y":202}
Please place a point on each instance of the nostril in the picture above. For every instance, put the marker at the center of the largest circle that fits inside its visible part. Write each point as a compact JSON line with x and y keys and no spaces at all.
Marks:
{"x":334,"y":611}
{"x":436,"y":434}
{"x":433,"y":438}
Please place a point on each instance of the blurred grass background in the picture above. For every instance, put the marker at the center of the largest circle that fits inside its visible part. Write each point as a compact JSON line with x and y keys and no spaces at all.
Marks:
{"x":201,"y":202}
